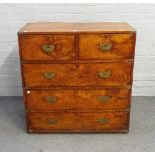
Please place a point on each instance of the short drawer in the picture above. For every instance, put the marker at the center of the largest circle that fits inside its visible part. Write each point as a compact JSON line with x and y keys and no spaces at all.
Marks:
{"x":116,"y":98}
{"x":47,"y":47}
{"x":106,"y":46}
{"x":74,"y":122}
{"x":86,"y":74}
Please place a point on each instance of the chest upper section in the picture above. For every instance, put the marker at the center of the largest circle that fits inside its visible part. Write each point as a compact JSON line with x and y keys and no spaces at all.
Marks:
{"x":73,"y":41}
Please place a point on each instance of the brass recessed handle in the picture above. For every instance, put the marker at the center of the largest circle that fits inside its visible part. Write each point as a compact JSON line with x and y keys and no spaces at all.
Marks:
{"x":103,"y":120}
{"x":49,"y":75}
{"x":105,"y":47}
{"x":104,"y":74}
{"x":51,"y":121}
{"x":51,"y":99}
{"x":104,"y":99}
{"x":48,"y":48}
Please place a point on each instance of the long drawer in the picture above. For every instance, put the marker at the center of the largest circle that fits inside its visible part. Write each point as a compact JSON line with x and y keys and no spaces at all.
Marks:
{"x":78,"y":74}
{"x":74,"y":122}
{"x":110,"y":98}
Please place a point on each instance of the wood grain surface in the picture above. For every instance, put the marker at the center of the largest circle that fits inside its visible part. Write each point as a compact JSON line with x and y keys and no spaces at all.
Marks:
{"x":76,"y":27}
{"x":31,"y":47}
{"x":77,"y":77}
{"x":77,"y":74}
{"x":62,"y":121}
{"x":106,"y":99}
{"x":121,"y":46}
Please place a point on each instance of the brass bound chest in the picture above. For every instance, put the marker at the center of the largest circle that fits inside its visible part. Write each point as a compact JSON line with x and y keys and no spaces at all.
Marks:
{"x":77,"y":77}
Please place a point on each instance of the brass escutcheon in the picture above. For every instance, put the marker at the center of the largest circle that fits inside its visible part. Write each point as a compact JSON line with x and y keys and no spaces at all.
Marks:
{"x":105,"y":74}
{"x":103,"y":120}
{"x":105,"y":47}
{"x":51,"y":99}
{"x":104,"y":99}
{"x":48,"y":48}
{"x":51,"y":121}
{"x":49,"y":75}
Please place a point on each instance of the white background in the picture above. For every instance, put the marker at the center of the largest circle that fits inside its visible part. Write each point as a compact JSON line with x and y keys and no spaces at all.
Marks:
{"x":140,"y":16}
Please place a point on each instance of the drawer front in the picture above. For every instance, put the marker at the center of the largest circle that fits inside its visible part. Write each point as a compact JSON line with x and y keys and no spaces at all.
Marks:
{"x":78,"y":99}
{"x":99,"y":74}
{"x":47,"y":47}
{"x":70,"y":121}
{"x":106,"y":46}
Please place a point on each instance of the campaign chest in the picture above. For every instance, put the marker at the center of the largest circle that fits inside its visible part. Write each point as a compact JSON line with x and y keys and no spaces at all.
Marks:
{"x":77,"y":77}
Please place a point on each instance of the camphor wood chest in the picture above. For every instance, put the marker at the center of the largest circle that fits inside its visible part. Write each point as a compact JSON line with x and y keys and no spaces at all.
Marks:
{"x":77,"y":77}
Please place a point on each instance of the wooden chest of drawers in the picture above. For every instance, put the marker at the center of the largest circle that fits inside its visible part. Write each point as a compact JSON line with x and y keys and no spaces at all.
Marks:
{"x":77,"y":77}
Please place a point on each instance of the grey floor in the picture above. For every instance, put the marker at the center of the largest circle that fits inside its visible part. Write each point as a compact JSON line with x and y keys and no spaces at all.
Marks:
{"x":13,"y":136}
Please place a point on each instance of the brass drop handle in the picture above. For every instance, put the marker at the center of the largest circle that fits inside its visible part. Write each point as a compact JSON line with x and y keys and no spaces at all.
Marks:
{"x":104,"y":99}
{"x":48,"y":48}
{"x":49,"y":75}
{"x":103,"y":120}
{"x":105,"y":47}
{"x":105,"y":74}
{"x":51,"y":121}
{"x":51,"y":99}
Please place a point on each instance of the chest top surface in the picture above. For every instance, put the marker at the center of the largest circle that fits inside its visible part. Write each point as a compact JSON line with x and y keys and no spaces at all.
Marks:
{"x":76,"y":27}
